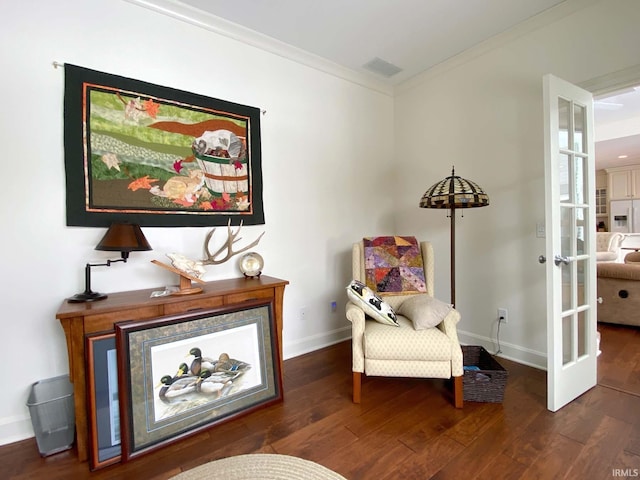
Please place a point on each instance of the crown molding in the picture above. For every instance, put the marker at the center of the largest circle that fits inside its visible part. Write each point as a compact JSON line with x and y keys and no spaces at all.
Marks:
{"x":540,"y":20}
{"x":220,"y":26}
{"x":628,"y":77}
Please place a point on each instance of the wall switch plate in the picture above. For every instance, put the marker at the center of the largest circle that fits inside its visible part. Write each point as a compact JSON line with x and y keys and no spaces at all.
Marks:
{"x":540,"y":230}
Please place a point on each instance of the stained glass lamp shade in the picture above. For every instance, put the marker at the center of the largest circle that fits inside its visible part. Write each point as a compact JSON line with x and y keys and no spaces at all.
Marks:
{"x":451,"y":193}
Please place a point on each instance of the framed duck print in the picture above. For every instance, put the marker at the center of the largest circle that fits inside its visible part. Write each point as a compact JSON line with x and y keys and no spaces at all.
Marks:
{"x":184,"y":373}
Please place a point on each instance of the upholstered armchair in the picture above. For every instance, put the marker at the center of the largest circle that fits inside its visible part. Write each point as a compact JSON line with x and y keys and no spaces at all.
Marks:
{"x":608,"y":246}
{"x":403,"y":351}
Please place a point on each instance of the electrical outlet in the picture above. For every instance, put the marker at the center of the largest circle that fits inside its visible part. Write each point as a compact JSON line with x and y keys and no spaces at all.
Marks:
{"x":502,"y":315}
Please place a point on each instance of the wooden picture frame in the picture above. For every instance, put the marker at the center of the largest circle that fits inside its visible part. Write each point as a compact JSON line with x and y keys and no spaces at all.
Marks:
{"x":103,"y":405}
{"x":142,"y":153}
{"x":150,"y":356}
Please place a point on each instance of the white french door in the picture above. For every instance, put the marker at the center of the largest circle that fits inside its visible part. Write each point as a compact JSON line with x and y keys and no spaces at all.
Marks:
{"x":570,"y":241}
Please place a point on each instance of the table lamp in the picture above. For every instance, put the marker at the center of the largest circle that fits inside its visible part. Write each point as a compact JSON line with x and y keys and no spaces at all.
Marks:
{"x":120,"y":237}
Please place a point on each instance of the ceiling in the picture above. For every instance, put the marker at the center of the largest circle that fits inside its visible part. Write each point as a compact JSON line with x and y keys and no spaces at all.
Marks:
{"x":412,"y":35}
{"x":617,"y":128}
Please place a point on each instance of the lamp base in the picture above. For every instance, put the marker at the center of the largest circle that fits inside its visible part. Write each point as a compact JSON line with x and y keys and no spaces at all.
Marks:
{"x":87,"y":296}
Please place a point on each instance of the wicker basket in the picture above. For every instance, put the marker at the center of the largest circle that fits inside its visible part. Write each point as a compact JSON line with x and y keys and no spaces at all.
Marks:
{"x":486,"y":384}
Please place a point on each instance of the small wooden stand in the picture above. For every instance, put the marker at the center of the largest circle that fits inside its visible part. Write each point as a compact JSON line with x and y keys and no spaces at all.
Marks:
{"x":186,"y":287}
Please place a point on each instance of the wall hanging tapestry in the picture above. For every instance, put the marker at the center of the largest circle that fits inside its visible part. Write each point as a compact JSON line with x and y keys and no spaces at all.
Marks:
{"x":156,"y":156}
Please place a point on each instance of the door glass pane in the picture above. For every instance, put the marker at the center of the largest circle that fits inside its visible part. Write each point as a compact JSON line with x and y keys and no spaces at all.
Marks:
{"x":579,"y":135}
{"x":564,"y":177}
{"x":580,"y":176}
{"x":581,"y":219}
{"x":567,"y":334}
{"x":567,"y":283}
{"x":581,"y":287}
{"x":563,"y":124}
{"x":583,"y":346}
{"x":566,"y":231}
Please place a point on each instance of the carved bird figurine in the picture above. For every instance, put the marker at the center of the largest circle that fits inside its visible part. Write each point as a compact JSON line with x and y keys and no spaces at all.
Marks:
{"x":190,"y":267}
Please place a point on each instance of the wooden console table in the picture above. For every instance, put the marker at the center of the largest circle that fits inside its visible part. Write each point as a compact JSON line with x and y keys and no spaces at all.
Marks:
{"x":80,"y":319}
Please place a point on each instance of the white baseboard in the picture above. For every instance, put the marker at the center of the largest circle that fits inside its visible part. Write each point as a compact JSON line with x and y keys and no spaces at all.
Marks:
{"x":15,"y":428}
{"x":509,"y":351}
{"x":316,"y":342}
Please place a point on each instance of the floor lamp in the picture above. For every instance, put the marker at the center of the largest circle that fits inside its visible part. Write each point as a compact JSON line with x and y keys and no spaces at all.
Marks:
{"x":451,"y":193}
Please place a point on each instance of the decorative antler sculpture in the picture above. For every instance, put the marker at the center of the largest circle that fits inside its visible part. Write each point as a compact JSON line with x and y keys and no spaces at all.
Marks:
{"x":228,"y":246}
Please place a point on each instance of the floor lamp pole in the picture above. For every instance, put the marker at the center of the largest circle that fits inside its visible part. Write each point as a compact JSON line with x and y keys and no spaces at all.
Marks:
{"x":448,"y":193}
{"x":453,"y":256}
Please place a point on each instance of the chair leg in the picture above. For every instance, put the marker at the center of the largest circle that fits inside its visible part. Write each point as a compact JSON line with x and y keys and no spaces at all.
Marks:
{"x":458,"y":396}
{"x":357,"y":383}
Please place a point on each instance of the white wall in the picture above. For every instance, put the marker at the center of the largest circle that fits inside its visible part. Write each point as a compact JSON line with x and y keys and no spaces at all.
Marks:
{"x":326,"y":147}
{"x":330,"y":147}
{"x":482,"y":112}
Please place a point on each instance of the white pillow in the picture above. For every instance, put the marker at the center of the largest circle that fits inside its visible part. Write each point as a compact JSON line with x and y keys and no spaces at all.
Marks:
{"x":371,"y":303}
{"x":424,"y":311}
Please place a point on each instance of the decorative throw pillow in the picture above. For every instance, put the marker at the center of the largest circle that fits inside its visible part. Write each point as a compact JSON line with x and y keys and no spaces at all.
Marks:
{"x":371,"y":303}
{"x":424,"y":311}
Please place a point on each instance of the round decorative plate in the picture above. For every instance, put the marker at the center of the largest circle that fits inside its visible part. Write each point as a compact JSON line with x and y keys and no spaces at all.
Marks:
{"x":251,"y":264}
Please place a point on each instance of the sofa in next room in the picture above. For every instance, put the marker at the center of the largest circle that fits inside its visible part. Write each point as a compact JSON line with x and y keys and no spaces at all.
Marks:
{"x":619,"y":288}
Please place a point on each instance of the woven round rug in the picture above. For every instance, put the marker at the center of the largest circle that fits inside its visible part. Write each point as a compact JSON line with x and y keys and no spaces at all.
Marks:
{"x":260,"y":466}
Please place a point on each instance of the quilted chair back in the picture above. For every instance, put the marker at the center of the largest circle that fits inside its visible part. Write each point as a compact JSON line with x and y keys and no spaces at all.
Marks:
{"x":426,"y":250}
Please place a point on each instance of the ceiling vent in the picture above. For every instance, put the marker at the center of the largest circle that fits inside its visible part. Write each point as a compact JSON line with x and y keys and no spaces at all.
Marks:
{"x":382,"y":67}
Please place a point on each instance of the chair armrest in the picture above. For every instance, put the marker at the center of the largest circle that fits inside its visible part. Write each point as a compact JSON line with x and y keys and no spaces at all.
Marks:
{"x":448,"y":327}
{"x":356,"y":316}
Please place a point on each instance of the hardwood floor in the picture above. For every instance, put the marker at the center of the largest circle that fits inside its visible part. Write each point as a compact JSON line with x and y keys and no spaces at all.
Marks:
{"x":407,"y":428}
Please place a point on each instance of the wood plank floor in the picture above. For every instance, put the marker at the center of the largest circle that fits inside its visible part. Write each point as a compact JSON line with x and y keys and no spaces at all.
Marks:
{"x":407,"y":428}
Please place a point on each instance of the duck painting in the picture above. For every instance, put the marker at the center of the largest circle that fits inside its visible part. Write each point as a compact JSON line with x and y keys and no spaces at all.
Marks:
{"x":199,"y":362}
{"x":230,"y":365}
{"x":213,"y":383}
{"x":206,"y":378}
{"x":175,"y":387}
{"x":183,"y":369}
{"x":203,"y":376}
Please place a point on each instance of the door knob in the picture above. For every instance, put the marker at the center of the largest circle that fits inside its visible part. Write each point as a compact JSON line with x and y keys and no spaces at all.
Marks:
{"x":599,"y":300}
{"x":558,"y":259}
{"x":542,"y":259}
